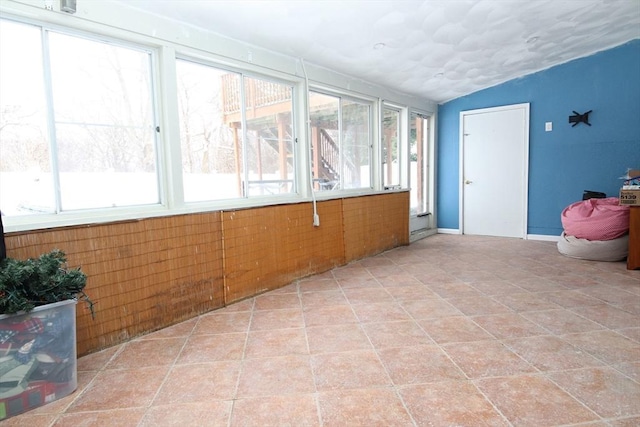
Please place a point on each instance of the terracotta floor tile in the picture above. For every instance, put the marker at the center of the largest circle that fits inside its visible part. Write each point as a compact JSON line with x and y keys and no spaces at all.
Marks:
{"x":398,"y":280}
{"x":454,"y":289}
{"x":475,"y":276}
{"x":550,"y":353}
{"x":430,"y":308}
{"x":496,"y":287}
{"x":454,"y":329}
{"x":539,"y":284}
{"x":606,"y":345}
{"x":630,"y":369}
{"x":562,"y":321}
{"x":508,"y":325}
{"x":575,"y":281}
{"x":113,"y":418}
{"x":314,"y":284}
{"x":631,"y":306}
{"x":379,"y":407}
{"x":381,"y":271}
{"x":30,"y":419}
{"x":486,"y":359}
{"x":567,"y":339}
{"x":276,"y":411}
{"x":420,"y":267}
{"x":291,"y":288}
{"x":351,"y":271}
{"x":530,"y":400}
{"x":271,"y":301}
{"x":450,"y":403}
{"x":359,"y":282}
{"x":478,"y":305}
{"x":376,"y":261}
{"x":436,"y":277}
{"x":60,"y":405}
{"x":199,"y":383}
{"x":411,"y":292}
{"x":213,"y":413}
{"x":418,"y":365}
{"x":607,"y":315}
{"x":323,"y":299}
{"x":183,"y":329}
{"x":97,"y":361}
{"x":144,"y":353}
{"x":274,"y":376}
{"x":367,"y":295}
{"x":222,"y":323}
{"x":604,"y":390}
{"x":277,"y":319}
{"x":627,"y":422}
{"x":336,"y":338}
{"x":512,"y":273}
{"x":396,"y":334}
{"x":526,"y":301}
{"x":570,"y":298}
{"x":244,"y":305}
{"x":380,"y":312}
{"x":348,"y":370}
{"x":120,"y":388}
{"x":604,"y":293}
{"x":277,"y":342}
{"x":211,"y":348}
{"x":331,"y":274}
{"x":329,"y":315}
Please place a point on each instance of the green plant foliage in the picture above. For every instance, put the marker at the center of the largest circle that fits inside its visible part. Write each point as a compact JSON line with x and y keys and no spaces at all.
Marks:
{"x":26,"y":284}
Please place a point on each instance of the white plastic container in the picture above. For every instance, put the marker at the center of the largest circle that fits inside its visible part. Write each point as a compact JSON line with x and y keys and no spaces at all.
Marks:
{"x":38,"y":362}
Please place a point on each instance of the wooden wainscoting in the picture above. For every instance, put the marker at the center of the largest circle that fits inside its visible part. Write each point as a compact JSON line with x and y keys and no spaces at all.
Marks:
{"x":151,"y":273}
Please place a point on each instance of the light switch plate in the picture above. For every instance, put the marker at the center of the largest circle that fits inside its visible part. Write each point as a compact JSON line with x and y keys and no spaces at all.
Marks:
{"x":548,"y":126}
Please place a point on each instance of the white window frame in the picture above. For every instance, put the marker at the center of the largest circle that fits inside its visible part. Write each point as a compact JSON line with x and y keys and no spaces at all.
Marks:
{"x":243,"y":200}
{"x":374,"y":142}
{"x":204,"y":47}
{"x":82,"y":216}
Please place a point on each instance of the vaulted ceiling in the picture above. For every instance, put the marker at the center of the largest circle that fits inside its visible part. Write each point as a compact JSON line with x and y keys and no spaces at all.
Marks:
{"x":435,"y":49}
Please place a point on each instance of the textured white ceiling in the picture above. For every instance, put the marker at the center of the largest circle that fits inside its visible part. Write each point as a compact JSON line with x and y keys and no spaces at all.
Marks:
{"x":436,"y":49}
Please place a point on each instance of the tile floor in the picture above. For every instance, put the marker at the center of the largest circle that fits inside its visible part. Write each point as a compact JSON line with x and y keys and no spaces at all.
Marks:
{"x":450,"y":331}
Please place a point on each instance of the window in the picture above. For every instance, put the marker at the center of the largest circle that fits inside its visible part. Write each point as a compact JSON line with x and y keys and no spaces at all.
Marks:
{"x":390,"y":154}
{"x":340,"y":141}
{"x":77,"y":128}
{"x":236,"y":134}
{"x":419,"y":163}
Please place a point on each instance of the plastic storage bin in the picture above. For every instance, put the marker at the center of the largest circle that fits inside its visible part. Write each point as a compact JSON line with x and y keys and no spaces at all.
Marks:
{"x":38,"y":362}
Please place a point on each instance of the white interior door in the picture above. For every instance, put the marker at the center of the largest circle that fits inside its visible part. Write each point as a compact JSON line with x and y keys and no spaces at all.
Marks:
{"x":494,"y":169}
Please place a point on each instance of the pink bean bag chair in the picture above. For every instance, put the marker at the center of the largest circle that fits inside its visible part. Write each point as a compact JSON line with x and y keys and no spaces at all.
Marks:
{"x":596,"y":219}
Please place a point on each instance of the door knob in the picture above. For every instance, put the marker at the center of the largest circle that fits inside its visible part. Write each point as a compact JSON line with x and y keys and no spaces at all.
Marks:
{"x":468,"y":181}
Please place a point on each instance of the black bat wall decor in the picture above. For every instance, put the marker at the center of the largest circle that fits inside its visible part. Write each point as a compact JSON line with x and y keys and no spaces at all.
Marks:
{"x":579,"y":118}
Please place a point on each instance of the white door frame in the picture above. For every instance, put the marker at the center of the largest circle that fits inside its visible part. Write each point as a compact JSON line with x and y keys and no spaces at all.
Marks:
{"x":524,"y":160}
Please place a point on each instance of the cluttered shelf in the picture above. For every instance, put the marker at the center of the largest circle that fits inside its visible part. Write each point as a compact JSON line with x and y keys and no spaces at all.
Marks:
{"x":633,"y":259}
{"x":630,"y":195}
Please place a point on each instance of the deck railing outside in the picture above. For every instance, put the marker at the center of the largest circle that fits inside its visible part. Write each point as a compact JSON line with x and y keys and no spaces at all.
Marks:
{"x":259,"y":93}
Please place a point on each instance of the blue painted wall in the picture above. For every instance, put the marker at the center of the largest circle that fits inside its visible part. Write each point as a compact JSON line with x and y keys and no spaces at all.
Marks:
{"x":568,"y":160}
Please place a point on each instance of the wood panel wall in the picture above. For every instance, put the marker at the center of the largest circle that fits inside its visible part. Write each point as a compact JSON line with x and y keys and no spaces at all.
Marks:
{"x":151,"y":273}
{"x":374,"y":224}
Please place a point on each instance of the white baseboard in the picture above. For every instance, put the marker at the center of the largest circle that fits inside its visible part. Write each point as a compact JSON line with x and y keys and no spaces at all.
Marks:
{"x":543,"y":237}
{"x":529,"y":236}
{"x":448,"y":231}
{"x":417,"y":235}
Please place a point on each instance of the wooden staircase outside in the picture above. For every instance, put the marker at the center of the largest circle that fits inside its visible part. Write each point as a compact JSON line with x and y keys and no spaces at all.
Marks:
{"x":265,"y":99}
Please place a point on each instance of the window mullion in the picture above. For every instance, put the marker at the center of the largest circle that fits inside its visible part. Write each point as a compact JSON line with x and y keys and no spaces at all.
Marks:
{"x":51,"y":122}
{"x":341,"y":167}
{"x":245,"y":137}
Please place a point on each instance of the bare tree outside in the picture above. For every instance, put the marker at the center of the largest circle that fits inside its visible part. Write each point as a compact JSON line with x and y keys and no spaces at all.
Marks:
{"x":95,"y":140}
